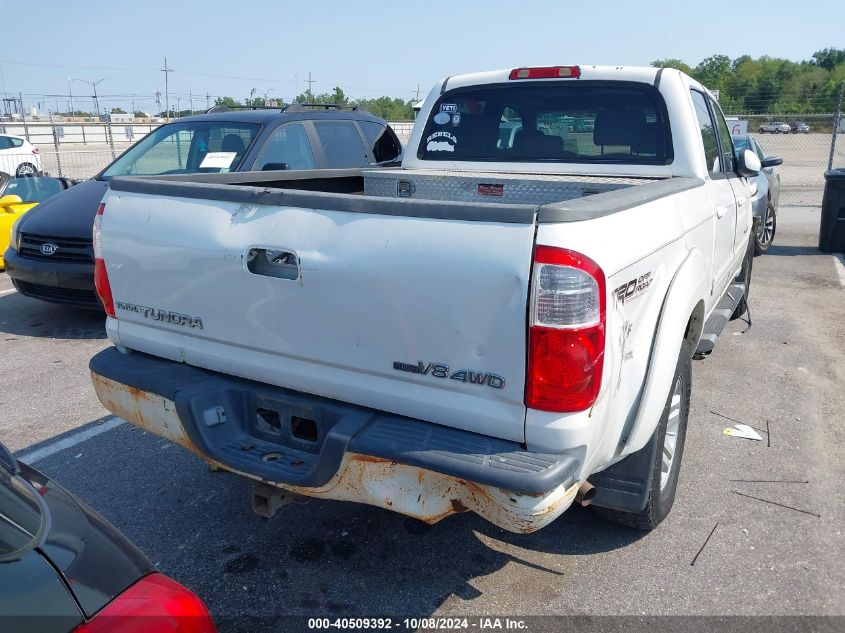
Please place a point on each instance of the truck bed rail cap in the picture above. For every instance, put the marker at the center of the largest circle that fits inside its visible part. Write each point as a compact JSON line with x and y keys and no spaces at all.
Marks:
{"x":590,"y":207}
{"x":351,"y":203}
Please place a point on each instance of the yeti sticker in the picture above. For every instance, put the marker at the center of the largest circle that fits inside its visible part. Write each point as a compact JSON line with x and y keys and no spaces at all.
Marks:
{"x":441,"y":142}
{"x":448,"y":107}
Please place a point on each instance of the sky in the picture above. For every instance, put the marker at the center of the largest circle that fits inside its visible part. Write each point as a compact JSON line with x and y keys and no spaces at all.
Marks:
{"x":368,"y":48}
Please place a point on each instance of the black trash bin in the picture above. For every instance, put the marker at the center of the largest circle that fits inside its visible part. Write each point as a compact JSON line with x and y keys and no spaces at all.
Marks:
{"x":832,"y":228}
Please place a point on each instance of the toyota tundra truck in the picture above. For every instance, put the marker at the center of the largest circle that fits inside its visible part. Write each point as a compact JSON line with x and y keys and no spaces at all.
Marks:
{"x":504,"y":324}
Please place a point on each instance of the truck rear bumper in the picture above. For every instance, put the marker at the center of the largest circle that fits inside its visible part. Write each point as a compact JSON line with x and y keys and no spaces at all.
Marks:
{"x":327,"y":449}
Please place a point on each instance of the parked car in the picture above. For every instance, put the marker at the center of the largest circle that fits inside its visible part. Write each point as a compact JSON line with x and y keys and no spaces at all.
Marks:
{"x":765,"y":200}
{"x":299,"y":137}
{"x":775,"y":127}
{"x":502,"y":330}
{"x":64,"y":568}
{"x":19,"y":195}
{"x":19,"y":157}
{"x":799,"y":127}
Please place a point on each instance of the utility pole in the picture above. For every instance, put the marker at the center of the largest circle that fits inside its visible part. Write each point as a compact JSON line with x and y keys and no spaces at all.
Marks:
{"x":94,"y":86}
{"x":23,"y":117}
{"x":418,"y":93}
{"x":310,"y":81}
{"x":191,"y":97}
{"x":251,"y":92}
{"x":70,"y":95}
{"x":167,"y":72}
{"x":207,"y":101}
{"x":158,"y":100}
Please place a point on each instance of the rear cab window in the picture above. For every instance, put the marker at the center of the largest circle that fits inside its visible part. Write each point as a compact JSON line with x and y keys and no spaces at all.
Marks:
{"x":577,"y":122}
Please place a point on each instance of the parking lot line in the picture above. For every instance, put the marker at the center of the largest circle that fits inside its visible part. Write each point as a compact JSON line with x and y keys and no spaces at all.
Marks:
{"x":70,"y":440}
{"x":839,"y":258}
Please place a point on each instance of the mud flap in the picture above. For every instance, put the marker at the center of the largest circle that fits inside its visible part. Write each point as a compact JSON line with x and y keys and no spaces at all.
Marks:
{"x":625,"y":485}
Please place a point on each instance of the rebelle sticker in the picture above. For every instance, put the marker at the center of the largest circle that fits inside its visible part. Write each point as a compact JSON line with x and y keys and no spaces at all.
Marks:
{"x":447,"y":144}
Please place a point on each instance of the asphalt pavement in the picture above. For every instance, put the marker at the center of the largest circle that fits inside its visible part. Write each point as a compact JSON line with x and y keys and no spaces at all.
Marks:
{"x":777,"y":548}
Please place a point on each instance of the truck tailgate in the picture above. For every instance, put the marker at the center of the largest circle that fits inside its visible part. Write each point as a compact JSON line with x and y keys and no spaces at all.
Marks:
{"x":419,"y":316}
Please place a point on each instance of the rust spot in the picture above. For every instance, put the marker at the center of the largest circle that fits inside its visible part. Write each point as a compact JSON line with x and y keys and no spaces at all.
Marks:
{"x":457,"y":506}
{"x":358,"y":457}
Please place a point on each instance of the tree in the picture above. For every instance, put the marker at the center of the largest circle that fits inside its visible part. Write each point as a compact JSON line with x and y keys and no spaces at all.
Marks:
{"x":713,"y":71}
{"x":118,"y":111}
{"x":140,"y":115}
{"x":828,"y":58}
{"x":226,"y":101}
{"x":672,"y":63}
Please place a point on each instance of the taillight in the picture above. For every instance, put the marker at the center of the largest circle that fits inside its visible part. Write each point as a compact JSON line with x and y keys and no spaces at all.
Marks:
{"x":566,"y":333}
{"x":154,"y":604}
{"x":101,"y":276}
{"x":546,"y":72}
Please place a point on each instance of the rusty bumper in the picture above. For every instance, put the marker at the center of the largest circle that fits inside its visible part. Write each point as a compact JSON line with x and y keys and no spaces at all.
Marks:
{"x":402,"y":483}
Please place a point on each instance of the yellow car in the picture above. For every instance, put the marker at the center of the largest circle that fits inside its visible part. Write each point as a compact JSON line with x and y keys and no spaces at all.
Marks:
{"x":19,"y":195}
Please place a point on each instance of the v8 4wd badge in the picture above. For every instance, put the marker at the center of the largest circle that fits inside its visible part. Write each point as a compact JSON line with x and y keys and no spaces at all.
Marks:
{"x":439,"y":370}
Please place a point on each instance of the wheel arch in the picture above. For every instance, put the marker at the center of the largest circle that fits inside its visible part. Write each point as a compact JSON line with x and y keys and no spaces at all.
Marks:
{"x":681,"y":319}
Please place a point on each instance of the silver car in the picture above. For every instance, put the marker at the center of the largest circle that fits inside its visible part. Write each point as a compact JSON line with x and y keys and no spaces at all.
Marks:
{"x":775,"y":127}
{"x":765,"y":201}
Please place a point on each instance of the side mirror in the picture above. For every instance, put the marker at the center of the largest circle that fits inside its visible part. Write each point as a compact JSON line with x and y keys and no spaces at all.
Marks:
{"x":771,"y":161}
{"x":748,"y":164}
{"x":8,"y":201}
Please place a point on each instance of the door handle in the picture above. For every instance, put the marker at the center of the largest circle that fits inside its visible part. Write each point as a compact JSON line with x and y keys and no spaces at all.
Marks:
{"x":721,"y":210}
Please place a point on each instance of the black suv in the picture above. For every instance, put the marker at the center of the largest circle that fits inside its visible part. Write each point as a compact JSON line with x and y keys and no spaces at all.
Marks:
{"x":51,"y":254}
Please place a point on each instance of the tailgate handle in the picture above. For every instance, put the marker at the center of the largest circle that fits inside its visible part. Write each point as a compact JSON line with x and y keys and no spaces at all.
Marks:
{"x":272,"y":262}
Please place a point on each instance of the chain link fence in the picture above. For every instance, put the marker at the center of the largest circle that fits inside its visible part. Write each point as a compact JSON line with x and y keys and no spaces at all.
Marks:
{"x":806,"y":150}
{"x":82,"y":151}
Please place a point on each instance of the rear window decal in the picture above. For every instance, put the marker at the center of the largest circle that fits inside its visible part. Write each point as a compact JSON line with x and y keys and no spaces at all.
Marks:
{"x":441,"y":118}
{"x":441,"y":142}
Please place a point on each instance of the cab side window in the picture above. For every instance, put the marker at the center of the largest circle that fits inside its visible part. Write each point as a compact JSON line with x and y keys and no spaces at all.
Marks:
{"x":287,"y":148}
{"x":385,"y":146}
{"x":342,"y":145}
{"x":728,"y":157}
{"x":708,"y":132}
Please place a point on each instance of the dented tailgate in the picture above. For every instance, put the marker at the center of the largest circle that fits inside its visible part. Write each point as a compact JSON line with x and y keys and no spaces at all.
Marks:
{"x":420,"y":316}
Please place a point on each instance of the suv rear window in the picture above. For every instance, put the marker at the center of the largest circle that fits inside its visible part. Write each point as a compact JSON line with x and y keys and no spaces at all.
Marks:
{"x":577,"y":122}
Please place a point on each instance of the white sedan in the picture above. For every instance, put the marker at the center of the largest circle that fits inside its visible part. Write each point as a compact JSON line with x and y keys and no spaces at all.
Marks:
{"x":18,"y":157}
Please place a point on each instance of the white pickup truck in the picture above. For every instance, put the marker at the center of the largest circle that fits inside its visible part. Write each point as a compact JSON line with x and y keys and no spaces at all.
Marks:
{"x":503,"y":325}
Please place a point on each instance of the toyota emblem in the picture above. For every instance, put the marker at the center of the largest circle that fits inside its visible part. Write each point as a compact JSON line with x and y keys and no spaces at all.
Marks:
{"x":48,"y":248}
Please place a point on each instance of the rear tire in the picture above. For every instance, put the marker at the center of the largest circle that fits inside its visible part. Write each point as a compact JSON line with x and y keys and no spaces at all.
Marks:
{"x":671,"y":433}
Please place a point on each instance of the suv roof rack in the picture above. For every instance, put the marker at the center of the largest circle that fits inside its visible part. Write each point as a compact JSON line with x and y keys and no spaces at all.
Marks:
{"x":303,"y":107}
{"x":226,"y":108}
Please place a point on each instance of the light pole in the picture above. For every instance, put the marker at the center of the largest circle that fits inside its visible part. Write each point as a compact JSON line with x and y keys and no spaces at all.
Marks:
{"x":251,"y":92}
{"x":267,"y":92}
{"x":70,"y":96}
{"x":94,"y":86}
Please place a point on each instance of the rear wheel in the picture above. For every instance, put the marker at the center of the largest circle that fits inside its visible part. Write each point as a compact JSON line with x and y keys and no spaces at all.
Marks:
{"x":765,"y":232}
{"x":26,"y":169}
{"x":670,"y":434}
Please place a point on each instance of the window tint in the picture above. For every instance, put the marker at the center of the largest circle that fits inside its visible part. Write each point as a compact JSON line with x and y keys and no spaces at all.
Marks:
{"x":342,"y":144}
{"x":708,"y":132}
{"x":16,"y":142}
{"x":5,"y":142}
{"x":34,"y":188}
{"x":190,"y":147}
{"x":725,"y":137}
{"x":583,"y":122}
{"x":287,"y":148}
{"x":384,"y":144}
